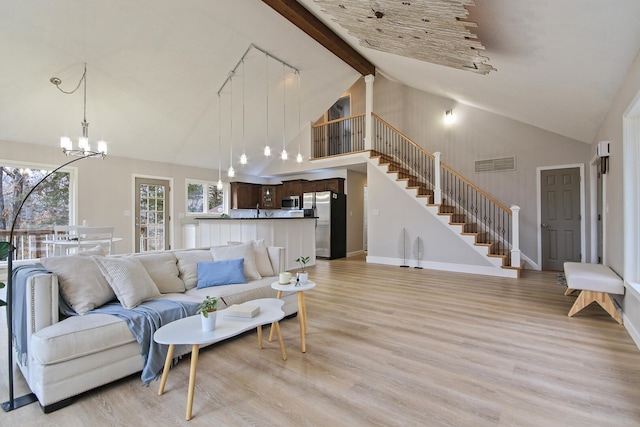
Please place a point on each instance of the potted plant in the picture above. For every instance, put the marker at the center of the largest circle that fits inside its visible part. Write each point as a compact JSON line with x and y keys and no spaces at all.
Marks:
{"x":303,"y":276}
{"x":207,"y":309}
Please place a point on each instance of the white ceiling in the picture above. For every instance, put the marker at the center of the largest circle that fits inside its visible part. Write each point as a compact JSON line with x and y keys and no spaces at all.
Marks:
{"x":154,"y":68}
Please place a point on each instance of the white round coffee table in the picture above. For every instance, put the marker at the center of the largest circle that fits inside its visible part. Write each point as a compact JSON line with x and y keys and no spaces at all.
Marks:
{"x":302,"y":307}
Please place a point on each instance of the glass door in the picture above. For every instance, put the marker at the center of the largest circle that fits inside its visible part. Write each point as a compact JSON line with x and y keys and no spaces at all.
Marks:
{"x":152,"y":215}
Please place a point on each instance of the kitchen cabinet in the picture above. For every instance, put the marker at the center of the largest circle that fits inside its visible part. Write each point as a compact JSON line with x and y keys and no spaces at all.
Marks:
{"x":292,"y":188}
{"x":270,"y":197}
{"x":332,"y":184}
{"x":244,"y":195}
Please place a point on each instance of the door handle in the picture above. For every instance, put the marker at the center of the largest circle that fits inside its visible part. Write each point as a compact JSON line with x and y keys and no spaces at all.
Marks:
{"x":545,"y":225}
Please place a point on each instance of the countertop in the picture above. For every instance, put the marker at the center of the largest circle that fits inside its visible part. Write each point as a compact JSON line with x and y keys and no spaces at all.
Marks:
{"x":254,"y":219}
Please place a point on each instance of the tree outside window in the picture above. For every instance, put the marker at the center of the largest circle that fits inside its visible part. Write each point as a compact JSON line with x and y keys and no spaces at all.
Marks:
{"x":47,"y":206}
{"x":204,"y":198}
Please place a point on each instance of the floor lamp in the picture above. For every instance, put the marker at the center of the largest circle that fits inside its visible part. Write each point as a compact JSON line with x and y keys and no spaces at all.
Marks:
{"x":15,"y":403}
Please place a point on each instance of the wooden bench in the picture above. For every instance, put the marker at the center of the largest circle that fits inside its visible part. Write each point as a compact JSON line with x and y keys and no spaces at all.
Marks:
{"x":596,"y":282}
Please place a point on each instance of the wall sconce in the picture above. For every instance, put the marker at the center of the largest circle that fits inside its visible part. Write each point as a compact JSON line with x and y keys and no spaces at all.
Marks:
{"x":449,"y":118}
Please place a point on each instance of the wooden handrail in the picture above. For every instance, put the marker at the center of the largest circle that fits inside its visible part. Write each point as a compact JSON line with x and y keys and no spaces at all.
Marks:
{"x":403,"y":136}
{"x":336,"y":121}
{"x":475,"y":187}
{"x":447,"y":167}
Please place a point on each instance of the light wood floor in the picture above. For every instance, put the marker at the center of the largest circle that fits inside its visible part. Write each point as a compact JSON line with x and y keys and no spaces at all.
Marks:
{"x":390,"y":346}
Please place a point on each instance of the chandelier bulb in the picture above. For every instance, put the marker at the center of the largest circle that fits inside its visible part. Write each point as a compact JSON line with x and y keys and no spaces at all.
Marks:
{"x":219,"y":184}
{"x":284,"y":155}
{"x":267,"y":150}
{"x":231,"y":173}
{"x":243,"y":159}
{"x":299,"y":158}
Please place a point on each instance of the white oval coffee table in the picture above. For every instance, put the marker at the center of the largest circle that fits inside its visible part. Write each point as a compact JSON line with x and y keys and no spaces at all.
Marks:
{"x":189,"y":331}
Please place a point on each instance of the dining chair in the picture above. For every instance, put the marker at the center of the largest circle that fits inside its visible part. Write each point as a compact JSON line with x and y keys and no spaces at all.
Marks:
{"x":89,"y":237}
{"x":64,"y":238}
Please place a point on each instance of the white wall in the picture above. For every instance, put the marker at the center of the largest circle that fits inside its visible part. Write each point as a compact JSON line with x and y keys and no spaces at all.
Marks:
{"x":481,"y":135}
{"x":105,"y":187}
{"x":355,"y":184}
{"x":612,"y":130}
{"x":390,"y":210}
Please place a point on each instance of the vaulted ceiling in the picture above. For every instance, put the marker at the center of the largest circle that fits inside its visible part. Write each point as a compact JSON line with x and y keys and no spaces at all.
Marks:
{"x":154,"y":70}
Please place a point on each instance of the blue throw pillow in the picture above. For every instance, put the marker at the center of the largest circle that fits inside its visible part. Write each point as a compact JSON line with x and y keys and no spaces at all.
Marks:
{"x":218,"y":273}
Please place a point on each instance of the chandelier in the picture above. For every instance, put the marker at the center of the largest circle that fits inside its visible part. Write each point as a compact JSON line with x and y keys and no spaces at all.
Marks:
{"x":84,"y":148}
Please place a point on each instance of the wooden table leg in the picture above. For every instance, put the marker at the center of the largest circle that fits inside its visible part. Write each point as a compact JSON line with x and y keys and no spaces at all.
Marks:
{"x":195,"y":348}
{"x":277,"y":326}
{"x":302,"y":320}
{"x":271,"y":329}
{"x":304,"y":312}
{"x":167,"y":366}
{"x":259,"y":328}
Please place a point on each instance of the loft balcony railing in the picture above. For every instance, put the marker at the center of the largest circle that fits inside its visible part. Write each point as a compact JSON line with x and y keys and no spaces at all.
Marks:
{"x":340,"y":136}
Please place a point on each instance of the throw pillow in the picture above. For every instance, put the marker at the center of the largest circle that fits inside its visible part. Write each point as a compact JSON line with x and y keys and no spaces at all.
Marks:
{"x":188,"y":265}
{"x":163,"y":269}
{"x":218,"y":273}
{"x":263,"y":262}
{"x":81,"y":283}
{"x":128,"y":279}
{"x":245,"y":251}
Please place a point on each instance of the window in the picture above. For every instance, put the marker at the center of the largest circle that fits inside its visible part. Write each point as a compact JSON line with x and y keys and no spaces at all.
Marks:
{"x":51,"y":203}
{"x":203,"y":197}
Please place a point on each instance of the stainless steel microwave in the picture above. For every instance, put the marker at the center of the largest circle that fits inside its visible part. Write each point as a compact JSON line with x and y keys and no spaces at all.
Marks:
{"x":291,"y":202}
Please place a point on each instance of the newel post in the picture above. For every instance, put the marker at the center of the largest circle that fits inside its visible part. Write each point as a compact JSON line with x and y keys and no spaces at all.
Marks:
{"x":437,"y":190}
{"x":515,"y":238}
{"x":368,"y":101}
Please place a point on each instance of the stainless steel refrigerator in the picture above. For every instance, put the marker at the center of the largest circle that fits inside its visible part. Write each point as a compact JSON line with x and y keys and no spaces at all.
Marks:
{"x":331,"y":225}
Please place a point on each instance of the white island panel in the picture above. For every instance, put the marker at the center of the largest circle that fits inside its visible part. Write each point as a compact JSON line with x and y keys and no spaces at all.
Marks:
{"x":296,"y":235}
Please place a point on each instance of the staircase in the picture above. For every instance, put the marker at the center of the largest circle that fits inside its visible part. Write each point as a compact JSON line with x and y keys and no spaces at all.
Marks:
{"x":478,"y":219}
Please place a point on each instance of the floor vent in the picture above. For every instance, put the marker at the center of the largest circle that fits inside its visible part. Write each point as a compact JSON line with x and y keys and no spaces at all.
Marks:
{"x":496,"y":165}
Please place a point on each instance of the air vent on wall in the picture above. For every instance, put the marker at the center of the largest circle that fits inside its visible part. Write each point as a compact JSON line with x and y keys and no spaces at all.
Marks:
{"x":496,"y":165}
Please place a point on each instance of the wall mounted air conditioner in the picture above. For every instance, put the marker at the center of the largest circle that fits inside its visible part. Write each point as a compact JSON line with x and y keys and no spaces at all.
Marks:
{"x":603,"y":148}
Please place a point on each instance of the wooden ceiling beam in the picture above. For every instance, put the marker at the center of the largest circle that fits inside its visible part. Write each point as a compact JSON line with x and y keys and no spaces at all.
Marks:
{"x":299,"y":16}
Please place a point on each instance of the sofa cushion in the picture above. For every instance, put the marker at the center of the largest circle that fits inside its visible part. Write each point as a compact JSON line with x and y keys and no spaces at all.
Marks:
{"x":129,"y":280}
{"x":263,"y":262}
{"x":188,"y":265}
{"x":81,"y":283}
{"x":163,"y":269}
{"x":216,"y":273}
{"x":78,"y":336}
{"x":245,"y":250}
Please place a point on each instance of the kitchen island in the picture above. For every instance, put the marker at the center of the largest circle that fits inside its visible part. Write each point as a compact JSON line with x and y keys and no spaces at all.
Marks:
{"x":296,"y":235}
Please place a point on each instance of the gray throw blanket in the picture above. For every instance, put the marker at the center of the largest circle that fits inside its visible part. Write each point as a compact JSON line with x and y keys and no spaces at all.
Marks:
{"x":143,"y":321}
{"x":19,"y":306}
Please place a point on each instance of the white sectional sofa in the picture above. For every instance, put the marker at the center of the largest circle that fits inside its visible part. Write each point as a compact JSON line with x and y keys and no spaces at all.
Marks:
{"x":68,"y":355}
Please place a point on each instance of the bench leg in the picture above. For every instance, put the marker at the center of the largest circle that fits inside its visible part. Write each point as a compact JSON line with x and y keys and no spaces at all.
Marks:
{"x":569,"y":291}
{"x":604,"y":299}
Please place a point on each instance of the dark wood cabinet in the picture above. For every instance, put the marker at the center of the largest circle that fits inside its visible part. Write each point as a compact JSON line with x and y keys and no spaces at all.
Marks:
{"x":293,"y":187}
{"x":270,"y":197}
{"x":244,"y":195}
{"x":332,"y":184}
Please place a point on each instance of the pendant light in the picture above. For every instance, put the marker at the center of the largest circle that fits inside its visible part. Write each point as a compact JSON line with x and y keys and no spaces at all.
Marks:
{"x":284,"y":155}
{"x":230,"y":172}
{"x":243,"y":157}
{"x":267,"y":149}
{"x":299,"y":156}
{"x":219,"y":184}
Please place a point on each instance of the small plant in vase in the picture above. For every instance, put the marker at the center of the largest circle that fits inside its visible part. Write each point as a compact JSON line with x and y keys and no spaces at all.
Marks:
{"x":303,"y":276}
{"x":208,"y":309}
